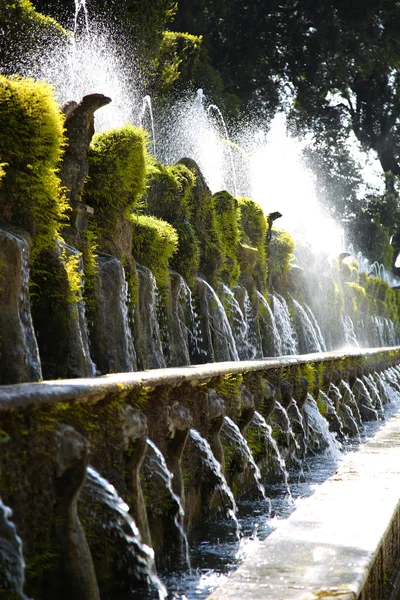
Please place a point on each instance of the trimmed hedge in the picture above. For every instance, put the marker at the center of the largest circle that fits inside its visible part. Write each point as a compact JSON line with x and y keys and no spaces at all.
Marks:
{"x":31,"y":142}
{"x":118,"y":166}
{"x":154,"y":243}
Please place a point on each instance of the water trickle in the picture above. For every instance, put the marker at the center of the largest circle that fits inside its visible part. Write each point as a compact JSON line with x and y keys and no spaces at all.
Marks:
{"x":317,"y":328}
{"x":81,"y":364}
{"x":80,"y":5}
{"x":213,"y":465}
{"x":365,"y":402}
{"x":319,"y":435}
{"x":271,"y":332}
{"x":147,"y":330}
{"x":350,"y":399}
{"x":310,"y":338}
{"x":135,"y":559}
{"x":12,"y":565}
{"x":110,"y":332}
{"x":349,"y":331}
{"x":333,"y":418}
{"x":373,"y":388}
{"x":147,"y":107}
{"x":159,"y":466}
{"x":18,"y":339}
{"x":284,"y":325}
{"x":220,"y":336}
{"x":214,"y":107}
{"x":253,"y":331}
{"x":234,"y":434}
{"x":345,"y":411}
{"x":276,"y":456}
{"x":293,"y":444}
{"x":240,"y":322}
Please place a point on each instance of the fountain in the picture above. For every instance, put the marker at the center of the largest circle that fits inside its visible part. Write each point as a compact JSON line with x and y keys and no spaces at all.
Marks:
{"x":142,"y":318}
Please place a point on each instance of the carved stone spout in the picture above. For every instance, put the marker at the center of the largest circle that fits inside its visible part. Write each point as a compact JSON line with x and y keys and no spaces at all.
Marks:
{"x":302,"y":393}
{"x":286,"y":393}
{"x":268,"y":398}
{"x":74,"y":576}
{"x":216,"y":414}
{"x":79,"y":125}
{"x":247,"y":407}
{"x":179,"y":421}
{"x":134,"y":431}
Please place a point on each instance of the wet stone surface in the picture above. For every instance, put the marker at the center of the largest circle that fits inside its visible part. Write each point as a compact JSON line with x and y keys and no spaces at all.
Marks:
{"x":328,"y":546}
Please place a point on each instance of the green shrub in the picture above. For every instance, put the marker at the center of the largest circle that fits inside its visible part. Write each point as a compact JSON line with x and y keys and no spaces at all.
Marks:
{"x":254,"y":228}
{"x":118,"y":167}
{"x":356,"y":298}
{"x":24,"y":31}
{"x":280,"y":252}
{"x":176,"y":62}
{"x":31,"y":141}
{"x":226,"y":210}
{"x":168,"y":198}
{"x":154,"y":243}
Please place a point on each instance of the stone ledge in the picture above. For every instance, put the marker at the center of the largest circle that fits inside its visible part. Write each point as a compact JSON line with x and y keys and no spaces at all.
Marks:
{"x":342,"y":542}
{"x":93,"y":389}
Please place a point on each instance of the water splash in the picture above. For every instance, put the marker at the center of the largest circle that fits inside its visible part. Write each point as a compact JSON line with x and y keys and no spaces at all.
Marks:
{"x":148,"y":107}
{"x":148,"y":337}
{"x":319,"y":435}
{"x":350,"y":336}
{"x":240,"y":322}
{"x":111,"y":333}
{"x":138,"y":557}
{"x":276,"y":456}
{"x":271,"y":330}
{"x":284,"y":325}
{"x":220,"y":332}
{"x":81,"y":363}
{"x":214,"y":107}
{"x":309,"y":336}
{"x":234,"y":434}
{"x":90,"y":61}
{"x":345,"y":411}
{"x":213,"y":465}
{"x":12,"y":564}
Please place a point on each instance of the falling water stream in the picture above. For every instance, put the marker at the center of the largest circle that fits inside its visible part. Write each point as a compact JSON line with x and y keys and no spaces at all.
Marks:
{"x":213,"y":551}
{"x":158,"y":465}
{"x":12,"y":563}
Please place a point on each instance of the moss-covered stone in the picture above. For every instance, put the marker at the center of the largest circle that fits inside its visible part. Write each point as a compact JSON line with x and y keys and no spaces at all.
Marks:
{"x":254,"y":228}
{"x":154,"y":243}
{"x":31,"y":141}
{"x":205,"y":224}
{"x":280,"y":253}
{"x":226,"y":210}
{"x":168,"y":198}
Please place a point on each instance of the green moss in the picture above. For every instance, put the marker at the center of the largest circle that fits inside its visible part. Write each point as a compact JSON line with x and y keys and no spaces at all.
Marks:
{"x":356,"y":298}
{"x":226,"y":210}
{"x":254,"y":229}
{"x":118,"y":165}
{"x":228,"y":387}
{"x":31,"y":141}
{"x":168,"y":198}
{"x":154,"y":244}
